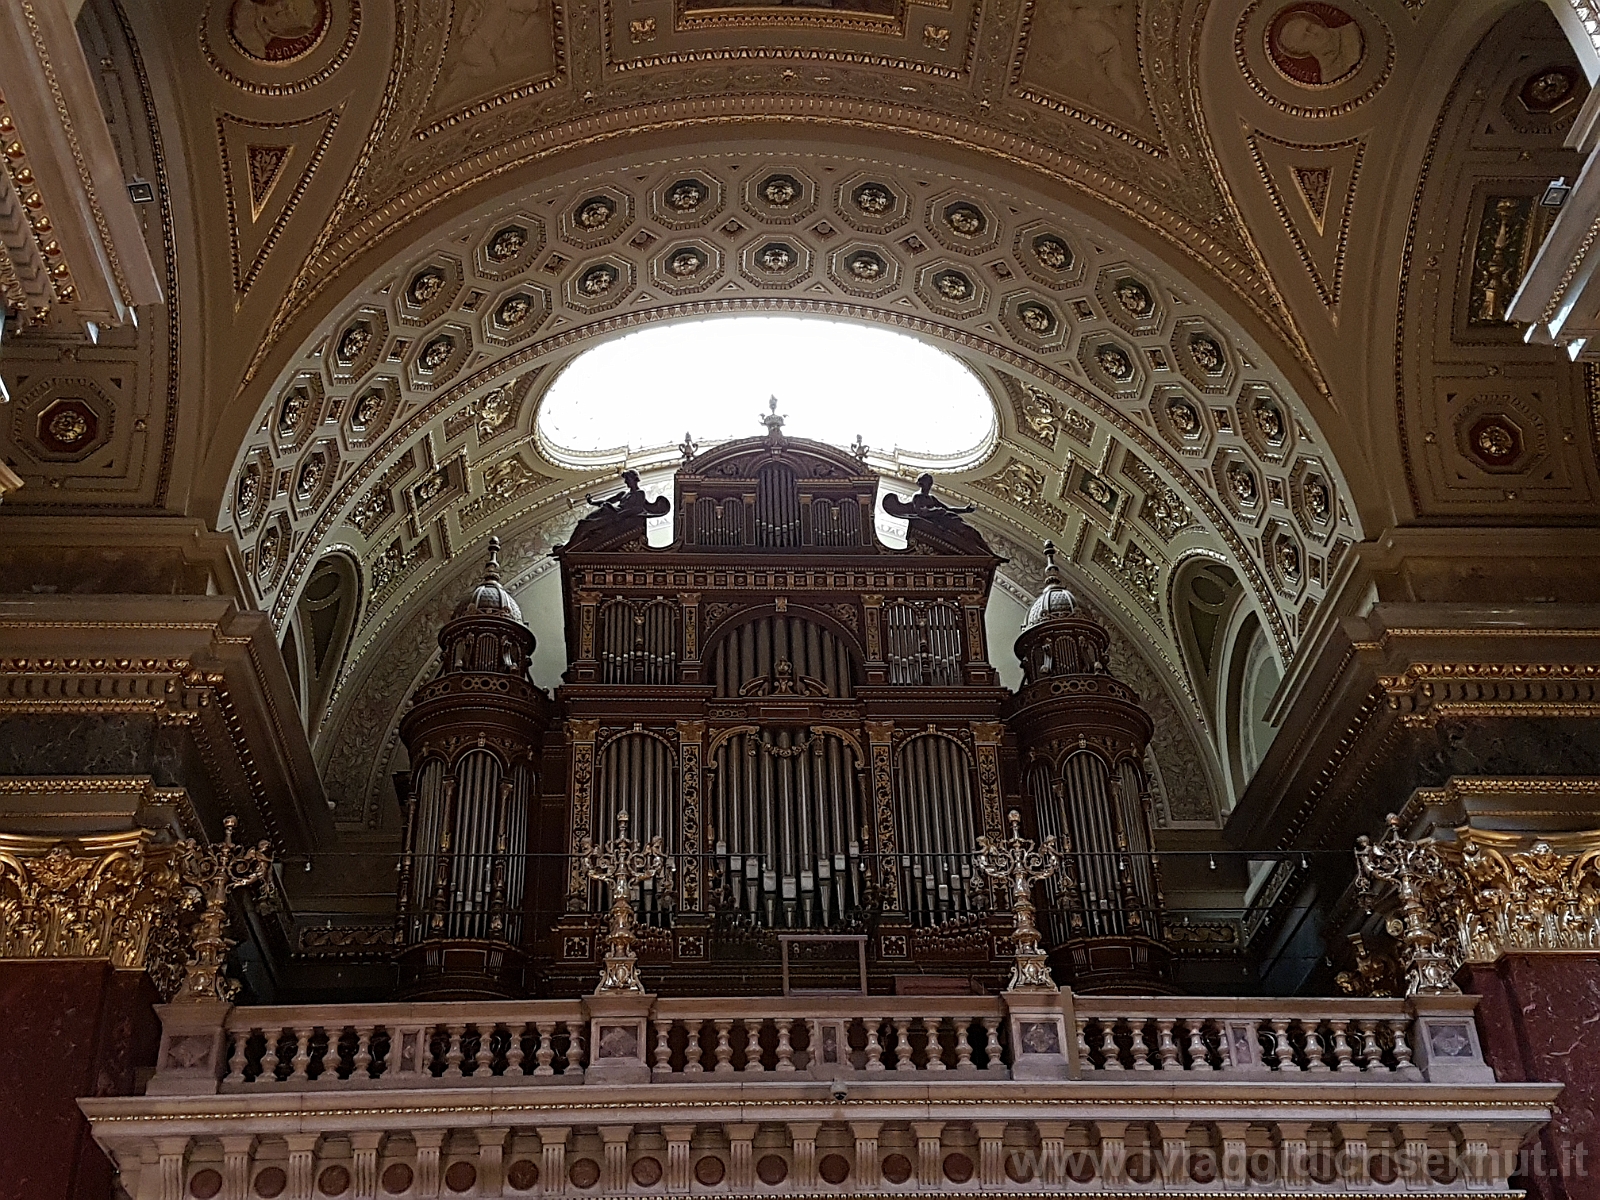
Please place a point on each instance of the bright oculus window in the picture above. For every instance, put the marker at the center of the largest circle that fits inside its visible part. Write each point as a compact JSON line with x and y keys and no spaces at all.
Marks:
{"x":636,"y":396}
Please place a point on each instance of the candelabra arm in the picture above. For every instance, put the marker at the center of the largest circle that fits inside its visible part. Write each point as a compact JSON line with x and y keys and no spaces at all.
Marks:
{"x":214,"y":871}
{"x":1018,"y":863}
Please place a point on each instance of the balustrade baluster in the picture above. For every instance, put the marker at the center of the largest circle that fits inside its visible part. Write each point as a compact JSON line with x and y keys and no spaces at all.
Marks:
{"x":1141,"y":1051}
{"x":574,"y":1049}
{"x":964,"y":1045}
{"x":483,"y":1061}
{"x":238,"y":1041}
{"x":902,"y":1044}
{"x":1283,"y":1048}
{"x":874,"y":1049}
{"x":1083,"y":1043}
{"x":1314,"y":1046}
{"x":693,"y":1050}
{"x":1371,"y":1052}
{"x":1108,"y":1046}
{"x":663,"y":1067}
{"x":1341,"y":1048}
{"x":361,"y":1064}
{"x":453,"y":1055}
{"x":1166,"y":1047}
{"x":785,"y":1050}
{"x":1199,"y":1052}
{"x":544,"y":1049}
{"x":935,"y":1051}
{"x":1225,"y":1045}
{"x":302,"y":1055}
{"x":724,"y":1049}
{"x":269,"y":1058}
{"x":752,"y":1045}
{"x":991,"y":1045}
{"x":514,"y":1049}
{"x":1402,"y":1048}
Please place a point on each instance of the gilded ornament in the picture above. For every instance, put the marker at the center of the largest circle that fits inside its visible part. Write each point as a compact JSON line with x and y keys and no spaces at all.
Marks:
{"x":1319,"y":503}
{"x":873,"y":199}
{"x":1241,"y":482}
{"x":1207,"y":353}
{"x":493,"y":409}
{"x":621,"y":865}
{"x":1037,"y":318}
{"x":1114,"y":361}
{"x":310,"y":476}
{"x":965,"y":220}
{"x":1096,"y":489}
{"x":686,"y":262}
{"x":597,"y":281}
{"x":1417,"y":872}
{"x":216,"y":871}
{"x":1052,"y":253}
{"x":115,"y":897}
{"x":595,"y":213}
{"x":1019,"y":863}
{"x":1548,"y":89}
{"x":425,"y":287}
{"x":1185,"y":419}
{"x":1039,"y":414}
{"x":953,"y":285}
{"x":352,"y":343}
{"x":293,"y":410}
{"x":1495,"y":441}
{"x":780,"y":191}
{"x":776,"y":257}
{"x":1269,"y":420}
{"x":437,"y":352}
{"x":507,"y":243}
{"x":1135,"y":298}
{"x":248,"y":491}
{"x":686,"y":195}
{"x":513,"y":310}
{"x":1289,"y":560}
{"x":269,"y":554}
{"x":367,"y":409}
{"x":866,"y":266}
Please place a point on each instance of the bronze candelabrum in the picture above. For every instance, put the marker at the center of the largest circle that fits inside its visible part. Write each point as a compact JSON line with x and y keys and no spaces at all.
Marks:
{"x":1419,"y":875}
{"x":215,"y":871}
{"x":1019,"y":864}
{"x":621,"y":865}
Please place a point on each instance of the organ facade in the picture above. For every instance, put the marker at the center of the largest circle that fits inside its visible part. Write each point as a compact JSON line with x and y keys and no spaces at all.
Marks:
{"x":810,"y":722}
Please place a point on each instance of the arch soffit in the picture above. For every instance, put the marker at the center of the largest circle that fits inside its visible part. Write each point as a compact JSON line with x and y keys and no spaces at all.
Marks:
{"x":1044,"y":381}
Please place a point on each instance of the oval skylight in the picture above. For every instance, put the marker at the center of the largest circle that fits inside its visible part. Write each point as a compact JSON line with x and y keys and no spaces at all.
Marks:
{"x":712,"y":378}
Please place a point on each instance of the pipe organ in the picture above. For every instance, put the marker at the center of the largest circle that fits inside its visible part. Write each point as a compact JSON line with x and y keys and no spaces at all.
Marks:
{"x":809,"y":721}
{"x":475,"y":736}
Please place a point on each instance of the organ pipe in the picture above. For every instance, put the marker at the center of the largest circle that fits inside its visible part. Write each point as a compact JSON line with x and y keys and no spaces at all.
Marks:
{"x":935,"y":818}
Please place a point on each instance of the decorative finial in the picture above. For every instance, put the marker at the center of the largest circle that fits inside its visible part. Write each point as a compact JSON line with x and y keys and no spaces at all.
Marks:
{"x":772,"y":420}
{"x":859,"y":448}
{"x":1052,"y":573}
{"x":688,"y":447}
{"x":491,"y":571}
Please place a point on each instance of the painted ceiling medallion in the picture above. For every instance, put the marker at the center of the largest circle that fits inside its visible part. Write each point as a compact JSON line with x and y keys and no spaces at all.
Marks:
{"x":1314,"y":44}
{"x":277,"y":31}
{"x":68,"y":428}
{"x":1495,"y":441}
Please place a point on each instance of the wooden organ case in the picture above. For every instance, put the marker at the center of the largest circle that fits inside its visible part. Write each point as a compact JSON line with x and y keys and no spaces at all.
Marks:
{"x":806,"y":717}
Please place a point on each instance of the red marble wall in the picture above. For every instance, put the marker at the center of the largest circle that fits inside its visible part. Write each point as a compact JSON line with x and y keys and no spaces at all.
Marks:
{"x":72,"y":1029}
{"x":1539,"y":1018}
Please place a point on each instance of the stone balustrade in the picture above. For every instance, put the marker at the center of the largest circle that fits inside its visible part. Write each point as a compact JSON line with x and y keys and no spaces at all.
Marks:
{"x":638,"y":1095}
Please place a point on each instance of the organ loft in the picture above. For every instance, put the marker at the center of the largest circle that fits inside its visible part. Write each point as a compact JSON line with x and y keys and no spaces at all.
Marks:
{"x":810,"y":723}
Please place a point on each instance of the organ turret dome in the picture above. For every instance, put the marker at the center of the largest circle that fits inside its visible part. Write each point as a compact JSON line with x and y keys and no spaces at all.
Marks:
{"x":1055,"y":600}
{"x":489,"y":597}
